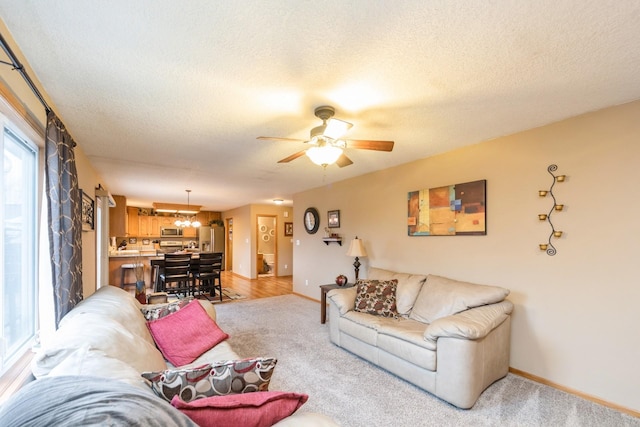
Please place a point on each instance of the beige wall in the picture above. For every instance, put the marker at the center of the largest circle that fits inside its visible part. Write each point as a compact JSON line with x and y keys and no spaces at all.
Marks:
{"x":576,"y":313}
{"x":245,"y":238}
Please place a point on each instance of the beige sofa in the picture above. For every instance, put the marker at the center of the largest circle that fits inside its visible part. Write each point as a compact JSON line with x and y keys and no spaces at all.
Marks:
{"x":106,"y":337}
{"x":449,"y":338}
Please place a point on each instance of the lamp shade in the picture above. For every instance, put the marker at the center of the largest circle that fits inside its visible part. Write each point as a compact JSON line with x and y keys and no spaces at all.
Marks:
{"x":356,"y":248}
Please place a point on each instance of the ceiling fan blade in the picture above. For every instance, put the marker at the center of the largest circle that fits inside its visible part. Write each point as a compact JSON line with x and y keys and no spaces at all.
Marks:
{"x":292,"y":157}
{"x":343,"y":161}
{"x":366,"y":144}
{"x":275,"y":138}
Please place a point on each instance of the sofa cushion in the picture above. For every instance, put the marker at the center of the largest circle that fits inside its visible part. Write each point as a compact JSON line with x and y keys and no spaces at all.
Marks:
{"x":377,"y":297}
{"x":213,"y":379}
{"x":184,"y":335}
{"x":97,"y":332}
{"x":115,"y":304}
{"x":408,"y":351}
{"x":440,"y":297}
{"x":409,"y":286}
{"x":362,"y":326}
{"x":261,"y":409}
{"x":222,"y":351}
{"x":96,"y":363}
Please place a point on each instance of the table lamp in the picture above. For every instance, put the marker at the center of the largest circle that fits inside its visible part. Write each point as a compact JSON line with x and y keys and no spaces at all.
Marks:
{"x":356,"y":249}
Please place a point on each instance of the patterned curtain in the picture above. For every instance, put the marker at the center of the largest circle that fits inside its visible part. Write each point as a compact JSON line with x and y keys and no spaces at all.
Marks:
{"x":64,"y":209}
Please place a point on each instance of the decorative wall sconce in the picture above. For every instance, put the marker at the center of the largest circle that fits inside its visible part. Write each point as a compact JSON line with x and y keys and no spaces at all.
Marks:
{"x":551,"y":250}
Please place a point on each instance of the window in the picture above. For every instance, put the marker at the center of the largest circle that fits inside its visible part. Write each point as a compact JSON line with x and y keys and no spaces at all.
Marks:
{"x":17,"y":246}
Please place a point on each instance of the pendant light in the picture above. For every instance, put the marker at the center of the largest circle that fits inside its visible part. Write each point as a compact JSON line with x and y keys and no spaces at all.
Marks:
{"x":188,"y":221}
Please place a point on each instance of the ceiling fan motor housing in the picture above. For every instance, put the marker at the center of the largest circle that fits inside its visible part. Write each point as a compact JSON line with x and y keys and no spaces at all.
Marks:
{"x":324,"y":112}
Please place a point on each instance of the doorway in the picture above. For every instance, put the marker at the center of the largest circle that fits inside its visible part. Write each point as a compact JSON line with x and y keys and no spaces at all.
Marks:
{"x":229,"y":250}
{"x":267,"y":247}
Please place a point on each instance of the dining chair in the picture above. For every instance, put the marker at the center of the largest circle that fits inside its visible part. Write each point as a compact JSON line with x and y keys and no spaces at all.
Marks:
{"x":175,"y":277}
{"x":207,"y":274}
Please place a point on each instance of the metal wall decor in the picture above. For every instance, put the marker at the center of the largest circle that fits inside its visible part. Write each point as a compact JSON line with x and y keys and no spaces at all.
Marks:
{"x":551,"y":250}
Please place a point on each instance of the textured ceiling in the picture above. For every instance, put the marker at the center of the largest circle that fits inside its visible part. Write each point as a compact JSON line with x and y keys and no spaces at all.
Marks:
{"x":166,"y":95}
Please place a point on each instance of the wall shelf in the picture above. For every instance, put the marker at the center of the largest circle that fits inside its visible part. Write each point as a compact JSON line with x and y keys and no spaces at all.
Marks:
{"x":328,"y":240}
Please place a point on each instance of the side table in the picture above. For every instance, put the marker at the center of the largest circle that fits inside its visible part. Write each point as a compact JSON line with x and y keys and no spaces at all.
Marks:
{"x":323,"y":299}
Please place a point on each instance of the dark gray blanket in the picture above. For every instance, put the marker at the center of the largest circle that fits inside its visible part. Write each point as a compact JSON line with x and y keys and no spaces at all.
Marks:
{"x":87,"y":401}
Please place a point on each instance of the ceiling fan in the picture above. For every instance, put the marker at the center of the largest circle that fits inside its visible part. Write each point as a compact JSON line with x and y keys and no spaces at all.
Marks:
{"x":326,"y":143}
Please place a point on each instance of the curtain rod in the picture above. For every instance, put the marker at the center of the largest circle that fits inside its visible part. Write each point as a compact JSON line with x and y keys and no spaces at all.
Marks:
{"x":15,"y":63}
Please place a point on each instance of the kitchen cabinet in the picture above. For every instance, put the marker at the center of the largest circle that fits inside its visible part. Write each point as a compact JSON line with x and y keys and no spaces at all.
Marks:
{"x":189,"y":232}
{"x":154,"y":226}
{"x":149,"y":226}
{"x":132,"y":221}
{"x":144,"y":226}
{"x":118,"y":217}
{"x":205,"y":217}
{"x":166,"y":221}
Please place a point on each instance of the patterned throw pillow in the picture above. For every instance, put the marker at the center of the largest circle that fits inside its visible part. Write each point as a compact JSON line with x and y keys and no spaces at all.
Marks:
{"x":213,"y":379}
{"x":377,"y":297}
{"x":156,"y":311}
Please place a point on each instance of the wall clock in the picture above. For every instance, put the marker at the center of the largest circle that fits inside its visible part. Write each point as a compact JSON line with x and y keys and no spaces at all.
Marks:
{"x":311,"y":220}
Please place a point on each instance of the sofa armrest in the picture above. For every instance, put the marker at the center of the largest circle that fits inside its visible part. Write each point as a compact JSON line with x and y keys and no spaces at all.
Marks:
{"x":471,"y":324}
{"x":344,"y":299}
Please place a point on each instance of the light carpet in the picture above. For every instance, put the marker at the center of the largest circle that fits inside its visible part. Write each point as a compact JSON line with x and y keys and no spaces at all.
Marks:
{"x":356,"y":393}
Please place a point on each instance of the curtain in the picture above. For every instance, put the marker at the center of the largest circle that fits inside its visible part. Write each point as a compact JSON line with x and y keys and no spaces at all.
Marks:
{"x":64,"y":214}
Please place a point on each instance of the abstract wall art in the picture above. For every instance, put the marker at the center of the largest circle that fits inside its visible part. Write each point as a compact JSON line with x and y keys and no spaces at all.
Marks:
{"x":452,"y":210}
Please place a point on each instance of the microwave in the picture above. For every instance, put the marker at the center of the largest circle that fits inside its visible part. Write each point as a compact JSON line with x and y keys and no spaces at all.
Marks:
{"x":170,"y":232}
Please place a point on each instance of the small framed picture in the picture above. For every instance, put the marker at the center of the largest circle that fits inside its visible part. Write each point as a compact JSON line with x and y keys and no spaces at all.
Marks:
{"x":146,"y":241}
{"x":288,"y":229}
{"x":88,"y":212}
{"x":133,"y":240}
{"x":334,"y":219}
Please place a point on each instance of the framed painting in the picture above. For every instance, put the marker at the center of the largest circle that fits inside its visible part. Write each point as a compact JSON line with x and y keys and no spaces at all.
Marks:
{"x":452,"y":210}
{"x":334,"y":219}
{"x":288,"y":229}
{"x":88,"y":212}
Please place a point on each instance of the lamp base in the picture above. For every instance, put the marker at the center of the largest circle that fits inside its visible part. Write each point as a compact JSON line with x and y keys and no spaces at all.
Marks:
{"x":356,"y":265}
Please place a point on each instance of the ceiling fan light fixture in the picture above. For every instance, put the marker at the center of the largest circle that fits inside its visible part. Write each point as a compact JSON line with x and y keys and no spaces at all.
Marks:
{"x":335,"y":128}
{"x":324,"y":155}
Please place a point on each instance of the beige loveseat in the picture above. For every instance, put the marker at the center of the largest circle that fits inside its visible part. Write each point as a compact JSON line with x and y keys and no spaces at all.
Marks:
{"x":93,"y":363}
{"x":449,"y":338}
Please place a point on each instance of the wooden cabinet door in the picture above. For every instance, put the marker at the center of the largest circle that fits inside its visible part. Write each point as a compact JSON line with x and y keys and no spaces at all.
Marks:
{"x":132,"y":221}
{"x":118,"y":217}
{"x":203,"y":217}
{"x":189,"y":232}
{"x":144,"y":225}
{"x":166,"y":221}
{"x":154,"y":226}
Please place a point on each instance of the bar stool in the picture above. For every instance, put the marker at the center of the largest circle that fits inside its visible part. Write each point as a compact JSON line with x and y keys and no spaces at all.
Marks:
{"x":127,"y":268}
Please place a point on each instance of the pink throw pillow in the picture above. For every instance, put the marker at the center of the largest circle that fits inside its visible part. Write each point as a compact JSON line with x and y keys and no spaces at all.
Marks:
{"x":259,"y":409}
{"x":186,"y":334}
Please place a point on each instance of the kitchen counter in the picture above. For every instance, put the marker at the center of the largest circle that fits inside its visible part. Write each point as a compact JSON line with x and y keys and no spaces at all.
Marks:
{"x":117,"y":258}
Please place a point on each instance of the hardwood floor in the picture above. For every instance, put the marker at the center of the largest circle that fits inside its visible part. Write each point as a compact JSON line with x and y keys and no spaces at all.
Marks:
{"x":262,"y":287}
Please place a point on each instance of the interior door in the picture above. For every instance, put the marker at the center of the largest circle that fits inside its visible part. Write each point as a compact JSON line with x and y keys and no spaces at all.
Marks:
{"x":229,"y":251}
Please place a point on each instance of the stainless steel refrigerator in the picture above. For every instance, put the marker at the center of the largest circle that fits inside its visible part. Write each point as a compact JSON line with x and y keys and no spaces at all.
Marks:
{"x":211,"y":239}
